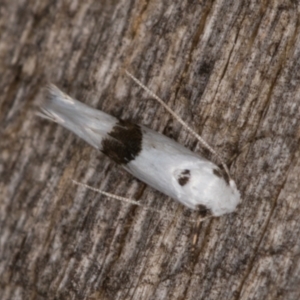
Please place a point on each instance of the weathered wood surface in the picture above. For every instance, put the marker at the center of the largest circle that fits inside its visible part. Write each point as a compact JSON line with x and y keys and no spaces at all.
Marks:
{"x":230,"y":68}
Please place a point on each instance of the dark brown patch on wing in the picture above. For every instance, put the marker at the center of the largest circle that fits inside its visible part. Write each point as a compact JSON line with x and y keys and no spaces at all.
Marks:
{"x":203,"y":210}
{"x":123,"y":143}
{"x":184,"y":177}
{"x":222,"y":174}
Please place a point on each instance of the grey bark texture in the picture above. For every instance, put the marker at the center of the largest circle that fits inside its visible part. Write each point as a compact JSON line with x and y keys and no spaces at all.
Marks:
{"x":230,"y":69}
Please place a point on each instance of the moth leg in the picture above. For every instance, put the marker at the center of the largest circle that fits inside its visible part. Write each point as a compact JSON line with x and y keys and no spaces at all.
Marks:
{"x":204,"y":214}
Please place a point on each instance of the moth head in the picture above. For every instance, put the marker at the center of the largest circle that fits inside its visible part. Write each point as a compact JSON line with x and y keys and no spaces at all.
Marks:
{"x":205,"y":185}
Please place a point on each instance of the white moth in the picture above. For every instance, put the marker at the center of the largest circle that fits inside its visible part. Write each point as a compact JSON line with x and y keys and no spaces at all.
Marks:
{"x":150,"y":156}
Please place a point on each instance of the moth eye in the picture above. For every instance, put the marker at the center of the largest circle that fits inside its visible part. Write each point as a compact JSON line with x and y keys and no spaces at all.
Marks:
{"x":184,"y":177}
{"x":221,"y":174}
{"x":203,"y":210}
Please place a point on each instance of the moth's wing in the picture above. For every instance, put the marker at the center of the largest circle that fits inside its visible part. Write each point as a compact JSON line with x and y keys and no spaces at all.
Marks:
{"x":88,"y":123}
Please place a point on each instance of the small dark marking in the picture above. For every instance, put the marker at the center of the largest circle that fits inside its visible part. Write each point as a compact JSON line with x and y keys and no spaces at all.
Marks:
{"x":205,"y":68}
{"x":222,"y":174}
{"x":203,"y":211}
{"x":123,"y":143}
{"x":184,"y":177}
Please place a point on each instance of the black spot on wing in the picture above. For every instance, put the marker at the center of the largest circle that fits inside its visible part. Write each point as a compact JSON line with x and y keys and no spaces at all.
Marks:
{"x":184,"y":177}
{"x":123,"y":143}
{"x":222,"y":174}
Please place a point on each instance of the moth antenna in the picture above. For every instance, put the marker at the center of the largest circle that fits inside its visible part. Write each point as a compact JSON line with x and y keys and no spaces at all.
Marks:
{"x":187,"y":127}
{"x":127,"y":200}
